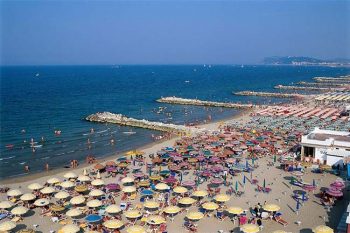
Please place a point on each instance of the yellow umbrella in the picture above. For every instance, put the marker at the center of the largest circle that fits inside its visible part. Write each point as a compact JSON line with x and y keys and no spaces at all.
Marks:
{"x":70,"y":175}
{"x":113,"y":209}
{"x":81,"y":188}
{"x":94,"y":203}
{"x":143,"y":183}
{"x":47,"y":190}
{"x":180,"y":189}
{"x":271,"y":207}
{"x":77,"y":200}
{"x":151,"y":204}
{"x":132,"y":214}
{"x":155,"y":220}
{"x":67,"y":184}
{"x":26,"y":231}
{"x":62,"y":195}
{"x":5,"y":204}
{"x":200,"y":193}
{"x":128,"y":180}
{"x":162,"y":186}
{"x":74,"y":212}
{"x":129,"y":189}
{"x":14,"y":193}
{"x":235,"y":210}
{"x":7,"y":226}
{"x":27,"y":197}
{"x":222,"y":198}
{"x":97,"y":182}
{"x":155,"y":177}
{"x":210,"y":206}
{"x":187,"y":201}
{"x":56,"y":208}
{"x":250,"y":228}
{"x":195,"y":215}
{"x":35,"y":186}
{"x":20,"y":210}
{"x":136,"y":229}
{"x":42,"y":202}
{"x":96,"y":193}
{"x":134,"y":153}
{"x":322,"y":229}
{"x":113,"y":224}
{"x":69,"y":228}
{"x":53,"y":180}
{"x":172,"y":210}
{"x":83,"y":178}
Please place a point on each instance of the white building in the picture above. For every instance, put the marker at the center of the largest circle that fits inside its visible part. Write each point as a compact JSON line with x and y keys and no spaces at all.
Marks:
{"x":326,"y":146}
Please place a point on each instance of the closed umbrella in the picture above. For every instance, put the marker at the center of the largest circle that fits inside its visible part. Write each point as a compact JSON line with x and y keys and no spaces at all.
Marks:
{"x":14,"y":193}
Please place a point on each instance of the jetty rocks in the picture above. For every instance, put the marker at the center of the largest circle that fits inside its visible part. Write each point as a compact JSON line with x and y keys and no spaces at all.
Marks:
{"x":269,"y":94}
{"x":108,"y":117}
{"x":309,"y":88}
{"x":177,"y":100}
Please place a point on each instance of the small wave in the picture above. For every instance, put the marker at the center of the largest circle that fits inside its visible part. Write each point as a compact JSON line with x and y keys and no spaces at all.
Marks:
{"x":61,"y":153}
{"x":7,"y":158}
{"x":85,"y":134}
{"x":69,"y":152}
{"x":22,"y":163}
{"x":47,"y":157}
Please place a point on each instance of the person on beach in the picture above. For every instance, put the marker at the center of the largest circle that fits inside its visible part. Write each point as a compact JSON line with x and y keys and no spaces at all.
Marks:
{"x":47,"y":167}
{"x":26,"y":168}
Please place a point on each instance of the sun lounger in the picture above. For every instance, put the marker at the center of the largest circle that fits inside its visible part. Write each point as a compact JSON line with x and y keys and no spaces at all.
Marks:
{"x":281,"y":220}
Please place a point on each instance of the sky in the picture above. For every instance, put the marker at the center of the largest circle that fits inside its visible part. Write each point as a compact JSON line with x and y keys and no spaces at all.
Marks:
{"x":87,"y":32}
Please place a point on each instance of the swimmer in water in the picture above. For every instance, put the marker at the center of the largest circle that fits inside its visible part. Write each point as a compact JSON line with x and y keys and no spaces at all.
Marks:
{"x":112,"y":141}
{"x":47,"y":167}
{"x":23,"y":131}
{"x":92,"y":130}
{"x":26,"y":168}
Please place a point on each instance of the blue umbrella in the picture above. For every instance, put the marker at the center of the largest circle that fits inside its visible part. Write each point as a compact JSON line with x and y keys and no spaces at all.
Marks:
{"x":147,"y":192}
{"x":93,"y":218}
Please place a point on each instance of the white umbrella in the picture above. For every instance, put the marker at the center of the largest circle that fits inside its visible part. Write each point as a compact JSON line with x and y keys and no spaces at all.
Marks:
{"x":70,"y":175}
{"x":14,"y":193}
{"x":35,"y":186}
{"x":5,"y":204}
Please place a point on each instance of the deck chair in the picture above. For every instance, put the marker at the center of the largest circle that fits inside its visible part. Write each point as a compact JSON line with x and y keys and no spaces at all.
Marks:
{"x":281,"y":220}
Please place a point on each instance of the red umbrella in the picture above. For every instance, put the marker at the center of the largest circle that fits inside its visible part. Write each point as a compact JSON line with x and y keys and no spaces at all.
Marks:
{"x":334,"y":192}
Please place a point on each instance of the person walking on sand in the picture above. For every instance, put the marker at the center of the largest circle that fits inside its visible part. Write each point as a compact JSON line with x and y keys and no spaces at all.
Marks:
{"x":47,"y":167}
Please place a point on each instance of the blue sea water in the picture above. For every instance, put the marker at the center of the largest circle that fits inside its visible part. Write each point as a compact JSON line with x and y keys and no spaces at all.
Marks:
{"x":59,"y":97}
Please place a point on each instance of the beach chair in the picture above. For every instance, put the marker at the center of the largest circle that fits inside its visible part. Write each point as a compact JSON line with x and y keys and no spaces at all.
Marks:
{"x":281,"y":220}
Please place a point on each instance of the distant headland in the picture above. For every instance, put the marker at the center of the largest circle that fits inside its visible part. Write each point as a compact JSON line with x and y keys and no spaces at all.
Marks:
{"x":305,"y":61}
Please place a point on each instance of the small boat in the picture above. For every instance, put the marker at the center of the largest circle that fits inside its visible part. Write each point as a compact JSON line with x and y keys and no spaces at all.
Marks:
{"x":37,"y":75}
{"x":187,"y":81}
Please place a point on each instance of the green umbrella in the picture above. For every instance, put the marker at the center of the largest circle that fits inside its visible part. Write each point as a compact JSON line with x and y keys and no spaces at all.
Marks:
{"x":236,"y":186}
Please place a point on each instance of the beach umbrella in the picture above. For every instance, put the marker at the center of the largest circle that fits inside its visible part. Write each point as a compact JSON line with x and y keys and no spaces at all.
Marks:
{"x":113,"y":209}
{"x":98,"y":175}
{"x":35,"y":186}
{"x":236,"y":186}
{"x":162,"y":187}
{"x":47,"y":190}
{"x":70,"y":175}
{"x":14,"y":193}
{"x":180,"y":189}
{"x":147,"y":192}
{"x":322,"y":229}
{"x":144,"y":183}
{"x":67,"y":184}
{"x":77,"y":200}
{"x":222,"y":198}
{"x":20,"y":210}
{"x":5,"y":204}
{"x":313,"y":182}
{"x":7,"y":226}
{"x":135,"y":229}
{"x":69,"y":228}
{"x":113,"y":224}
{"x":94,"y":203}
{"x":200,"y":193}
{"x":155,"y":177}
{"x":128,"y":180}
{"x":81,"y":188}
{"x":334,"y":192}
{"x":74,"y":212}
{"x":97,"y":182}
{"x":210,"y":206}
{"x":172,"y":210}
{"x":53,"y":180}
{"x":250,"y":228}
{"x":93,"y":218}
{"x":57,"y":208}
{"x":113,"y":187}
{"x":42,"y":202}
{"x":26,"y":231}
{"x":244,"y":179}
{"x":151,"y":204}
{"x":28,"y":197}
{"x":83,"y":178}
{"x":96,"y":193}
{"x":187,"y":201}
{"x":264,"y":184}
{"x":189,"y":183}
{"x":129,"y":189}
{"x":132,"y":214}
{"x":271,"y":207}
{"x":155,"y":220}
{"x":194,"y":215}
{"x":62,"y":195}
{"x":235,"y":210}
{"x":298,"y":205}
{"x":85,"y":173}
{"x":338,"y":185}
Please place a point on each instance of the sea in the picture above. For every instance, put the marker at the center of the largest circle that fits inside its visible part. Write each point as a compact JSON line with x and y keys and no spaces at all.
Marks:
{"x":36,"y":101}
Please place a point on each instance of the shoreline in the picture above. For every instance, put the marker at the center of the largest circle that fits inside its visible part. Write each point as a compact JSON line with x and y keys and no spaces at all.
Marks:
{"x":149,"y":146}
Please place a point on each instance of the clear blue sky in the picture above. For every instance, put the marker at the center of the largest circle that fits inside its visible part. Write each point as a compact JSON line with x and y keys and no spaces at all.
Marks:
{"x":171,"y":32}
